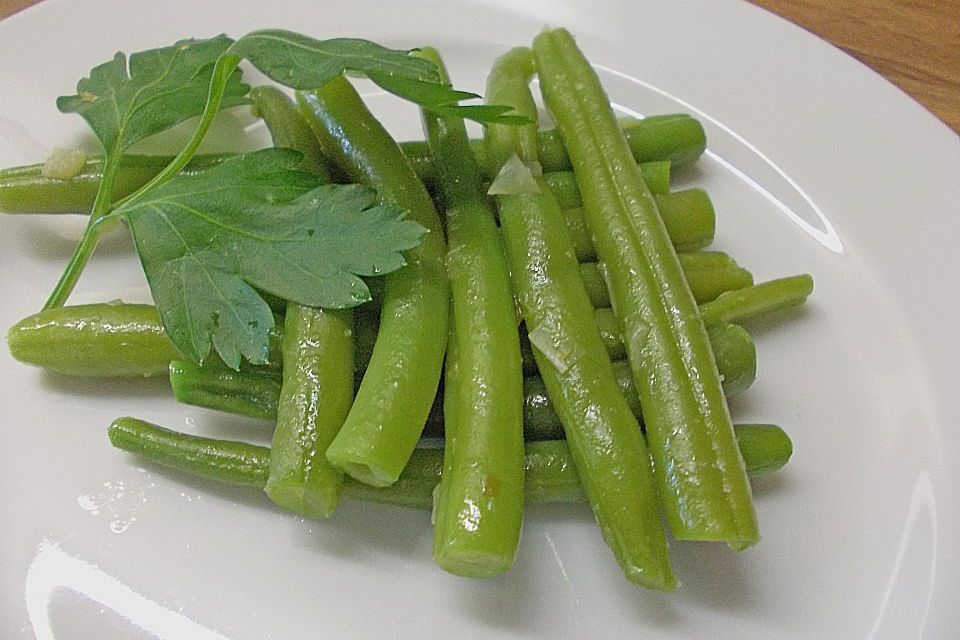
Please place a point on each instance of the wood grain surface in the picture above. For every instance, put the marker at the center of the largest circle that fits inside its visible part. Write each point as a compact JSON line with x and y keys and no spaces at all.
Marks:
{"x":913,"y":43}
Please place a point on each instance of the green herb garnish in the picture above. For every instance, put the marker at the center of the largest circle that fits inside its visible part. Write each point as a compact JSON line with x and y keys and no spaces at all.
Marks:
{"x":205,"y":241}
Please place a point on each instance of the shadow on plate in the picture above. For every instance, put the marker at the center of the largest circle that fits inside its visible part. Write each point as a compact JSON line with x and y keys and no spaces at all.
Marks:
{"x":106,"y":388}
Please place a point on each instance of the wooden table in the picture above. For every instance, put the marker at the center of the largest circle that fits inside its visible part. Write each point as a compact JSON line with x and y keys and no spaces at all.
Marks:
{"x":913,"y":43}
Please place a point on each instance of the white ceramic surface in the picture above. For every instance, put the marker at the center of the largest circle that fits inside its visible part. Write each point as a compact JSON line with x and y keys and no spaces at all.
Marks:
{"x":815,"y":164}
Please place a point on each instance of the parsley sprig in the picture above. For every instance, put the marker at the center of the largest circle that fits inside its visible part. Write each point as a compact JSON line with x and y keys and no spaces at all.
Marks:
{"x":208,"y":242}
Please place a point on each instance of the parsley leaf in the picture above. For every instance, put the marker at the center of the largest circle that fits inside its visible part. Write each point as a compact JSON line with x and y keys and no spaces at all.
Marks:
{"x":301,"y":62}
{"x":160,"y":88}
{"x":206,"y":240}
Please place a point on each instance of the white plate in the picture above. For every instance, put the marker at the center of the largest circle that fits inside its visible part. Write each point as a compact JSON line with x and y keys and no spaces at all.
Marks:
{"x":816,"y":164}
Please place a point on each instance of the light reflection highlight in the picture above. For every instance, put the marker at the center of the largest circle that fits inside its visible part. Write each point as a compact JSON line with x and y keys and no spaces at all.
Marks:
{"x":53,"y":569}
{"x":917,"y":534}
{"x":827,"y":236}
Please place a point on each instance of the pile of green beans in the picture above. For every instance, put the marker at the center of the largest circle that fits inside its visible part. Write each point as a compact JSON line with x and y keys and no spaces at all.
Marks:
{"x":570,"y":342}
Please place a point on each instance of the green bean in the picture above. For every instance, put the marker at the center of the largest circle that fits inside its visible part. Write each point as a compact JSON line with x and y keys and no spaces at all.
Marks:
{"x":248,"y":392}
{"x":736,"y":356}
{"x":765,"y":448}
{"x":94,"y":340}
{"x":564,"y":183}
{"x":611,"y":329}
{"x":318,"y":369}
{"x":25,"y":189}
{"x":703,"y":486}
{"x":676,"y":138}
{"x":708,"y":283}
{"x":401,"y":381}
{"x":226,"y":461}
{"x":773,"y":295}
{"x":479,"y":507}
{"x":549,"y":472}
{"x":288,"y":128}
{"x":603,"y":434}
{"x":688,"y":216}
{"x":707,"y":276}
{"x":314,"y":400}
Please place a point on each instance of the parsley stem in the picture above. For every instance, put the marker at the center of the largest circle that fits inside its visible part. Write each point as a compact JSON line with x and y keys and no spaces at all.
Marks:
{"x":91,"y":236}
{"x":225,"y":66}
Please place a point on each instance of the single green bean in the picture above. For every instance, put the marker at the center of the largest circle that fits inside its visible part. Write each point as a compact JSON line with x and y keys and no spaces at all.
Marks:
{"x":564,"y":183}
{"x":94,"y":340}
{"x":288,"y":128}
{"x":549,"y":472}
{"x":611,"y":329}
{"x":677,"y":138}
{"x":703,"y":485}
{"x":25,"y":189}
{"x":226,"y":461}
{"x":314,"y":400}
{"x":318,"y":369}
{"x":248,"y":392}
{"x":401,"y":381}
{"x":736,"y":356}
{"x":688,"y":216}
{"x":765,"y":447}
{"x":773,"y":295}
{"x":483,"y":386}
{"x":705,"y":275}
{"x":603,"y":434}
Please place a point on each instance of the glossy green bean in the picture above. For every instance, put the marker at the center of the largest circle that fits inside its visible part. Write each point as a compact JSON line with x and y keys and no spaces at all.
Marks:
{"x":765,"y":297}
{"x":288,"y":128}
{"x":678,"y":138}
{"x":483,"y":385}
{"x":549,"y":472}
{"x":25,"y":189}
{"x":94,"y":340}
{"x":318,"y":369}
{"x":248,"y":392}
{"x":401,"y":381}
{"x":675,"y":138}
{"x":564,"y":183}
{"x":688,"y":216}
{"x":707,"y":275}
{"x":314,"y":400}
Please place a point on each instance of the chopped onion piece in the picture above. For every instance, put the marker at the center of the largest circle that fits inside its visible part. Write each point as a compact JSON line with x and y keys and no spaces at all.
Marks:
{"x":543,"y":342}
{"x":516,"y":177}
{"x":63,"y":164}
